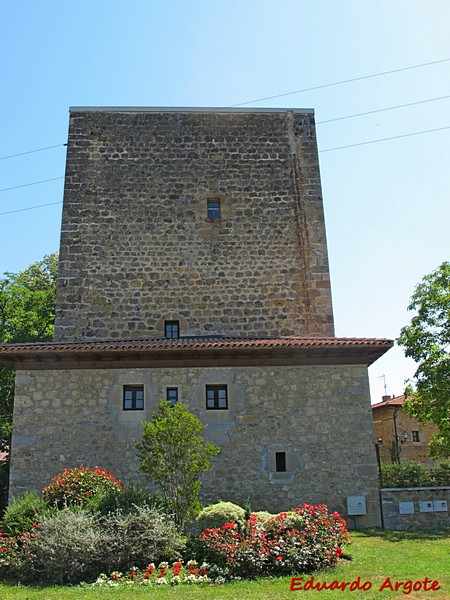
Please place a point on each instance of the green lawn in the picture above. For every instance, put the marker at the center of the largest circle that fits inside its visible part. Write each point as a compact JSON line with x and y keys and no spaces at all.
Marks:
{"x":376,"y":555}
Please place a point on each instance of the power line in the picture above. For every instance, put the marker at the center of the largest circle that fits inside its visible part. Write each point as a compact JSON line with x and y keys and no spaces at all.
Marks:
{"x":342,"y":82}
{"x":29,"y":208}
{"x":31,"y":151}
{"x":28,"y":184}
{"x":371,"y":112}
{"x":395,"y":137}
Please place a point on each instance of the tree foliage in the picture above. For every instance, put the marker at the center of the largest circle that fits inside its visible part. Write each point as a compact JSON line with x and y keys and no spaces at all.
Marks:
{"x":427,"y":341}
{"x":174,"y":455}
{"x":27,"y":314}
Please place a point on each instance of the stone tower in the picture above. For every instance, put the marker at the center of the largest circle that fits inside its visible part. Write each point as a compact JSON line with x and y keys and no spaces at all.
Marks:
{"x":212,"y":218}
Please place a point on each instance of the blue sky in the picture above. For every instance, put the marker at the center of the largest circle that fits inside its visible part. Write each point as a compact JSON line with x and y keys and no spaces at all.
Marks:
{"x":386,"y":204}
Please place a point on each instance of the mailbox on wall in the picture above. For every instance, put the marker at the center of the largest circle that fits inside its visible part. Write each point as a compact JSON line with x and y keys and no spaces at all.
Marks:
{"x":356,"y":505}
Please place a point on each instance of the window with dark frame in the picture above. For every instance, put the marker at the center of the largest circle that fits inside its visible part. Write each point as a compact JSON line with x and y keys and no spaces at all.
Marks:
{"x":216,"y":397}
{"x":213,"y":209}
{"x":133,"y":397}
{"x":172,"y":396}
{"x":415,"y":436}
{"x":280,"y":461}
{"x":172,"y":329}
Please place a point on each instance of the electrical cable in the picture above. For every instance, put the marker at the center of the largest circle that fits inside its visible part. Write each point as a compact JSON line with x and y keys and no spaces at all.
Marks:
{"x":29,"y":208}
{"x":394,"y":137}
{"x":325,"y":85}
{"x":28,"y":184}
{"x":31,"y":151}
{"x":371,"y":112}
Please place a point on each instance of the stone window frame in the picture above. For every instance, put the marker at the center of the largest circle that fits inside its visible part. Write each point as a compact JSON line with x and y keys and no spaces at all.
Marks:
{"x":415,"y":436}
{"x":216,"y":397}
{"x":171,"y":388}
{"x":134,"y":389}
{"x":172,"y":329}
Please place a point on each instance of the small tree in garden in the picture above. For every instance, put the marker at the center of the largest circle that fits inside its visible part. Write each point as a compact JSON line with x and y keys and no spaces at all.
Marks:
{"x":174,"y":455}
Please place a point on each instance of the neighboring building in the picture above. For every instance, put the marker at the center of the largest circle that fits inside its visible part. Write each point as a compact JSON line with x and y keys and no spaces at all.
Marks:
{"x":194,"y":267}
{"x":400,"y":438}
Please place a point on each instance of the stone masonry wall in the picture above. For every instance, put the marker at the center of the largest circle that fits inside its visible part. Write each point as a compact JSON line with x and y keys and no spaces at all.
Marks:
{"x":137,"y":247}
{"x":417,"y":514}
{"x":318,"y":415}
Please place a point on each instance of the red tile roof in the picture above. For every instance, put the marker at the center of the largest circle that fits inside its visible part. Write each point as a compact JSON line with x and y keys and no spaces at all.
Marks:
{"x":398,"y":401}
{"x":194,"y":342}
{"x":193,"y":351}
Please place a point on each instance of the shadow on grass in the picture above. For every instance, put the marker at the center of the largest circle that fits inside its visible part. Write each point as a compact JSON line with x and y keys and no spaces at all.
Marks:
{"x":393,"y":535}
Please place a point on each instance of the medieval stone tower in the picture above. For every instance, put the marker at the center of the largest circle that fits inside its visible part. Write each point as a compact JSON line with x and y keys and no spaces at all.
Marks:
{"x":193,"y":267}
{"x":212,"y":218}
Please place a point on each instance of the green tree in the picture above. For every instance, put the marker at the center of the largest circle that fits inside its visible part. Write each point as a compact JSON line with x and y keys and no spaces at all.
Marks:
{"x":27,"y":314}
{"x":173,"y":456}
{"x":427,"y":341}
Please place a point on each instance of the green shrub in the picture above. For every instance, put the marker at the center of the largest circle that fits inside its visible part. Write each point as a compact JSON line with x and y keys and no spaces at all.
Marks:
{"x":75,"y":545}
{"x":127,"y":500}
{"x":218,"y":514}
{"x":264,"y":515}
{"x":23,"y":512}
{"x":142,"y":537}
{"x":441,"y":474}
{"x":76,"y":486}
{"x":414,"y":474}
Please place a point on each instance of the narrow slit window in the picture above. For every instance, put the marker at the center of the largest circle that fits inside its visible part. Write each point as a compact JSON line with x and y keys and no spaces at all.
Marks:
{"x":415,"y":436}
{"x":213,"y":209}
{"x":172,"y":396}
{"x":280,"y":461}
{"x":133,"y":397}
{"x":172,"y":329}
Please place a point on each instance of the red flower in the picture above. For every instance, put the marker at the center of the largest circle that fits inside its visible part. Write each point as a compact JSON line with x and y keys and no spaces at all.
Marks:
{"x":338,"y":552}
{"x":279,"y":558}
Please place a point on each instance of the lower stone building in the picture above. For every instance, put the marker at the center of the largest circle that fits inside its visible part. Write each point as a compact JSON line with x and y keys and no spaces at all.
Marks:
{"x":400,"y":438}
{"x":290,"y":415}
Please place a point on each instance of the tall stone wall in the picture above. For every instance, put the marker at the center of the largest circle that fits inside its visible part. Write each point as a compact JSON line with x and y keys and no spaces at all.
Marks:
{"x":138,"y":248}
{"x":318,"y":415}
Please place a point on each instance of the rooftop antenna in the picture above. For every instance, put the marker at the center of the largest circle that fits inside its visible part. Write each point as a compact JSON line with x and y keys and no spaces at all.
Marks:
{"x":385,"y":386}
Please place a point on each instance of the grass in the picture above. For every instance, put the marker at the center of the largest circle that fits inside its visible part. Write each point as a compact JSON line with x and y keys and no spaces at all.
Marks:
{"x":376,"y":555}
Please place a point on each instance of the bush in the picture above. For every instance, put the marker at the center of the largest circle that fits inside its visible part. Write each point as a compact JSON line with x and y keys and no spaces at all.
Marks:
{"x":127,"y":500}
{"x":218,"y":514}
{"x":23,"y":512}
{"x":78,"y":485}
{"x":75,"y":545}
{"x":414,"y":474}
{"x":264,"y":515}
{"x":441,"y":474}
{"x":303,"y":540}
{"x":142,"y":537}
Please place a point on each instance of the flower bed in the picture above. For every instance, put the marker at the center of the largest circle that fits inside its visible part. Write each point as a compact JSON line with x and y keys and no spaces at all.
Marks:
{"x":163,"y":574}
{"x":302,"y":540}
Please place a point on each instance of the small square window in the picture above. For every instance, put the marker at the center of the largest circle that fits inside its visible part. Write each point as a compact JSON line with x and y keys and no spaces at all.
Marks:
{"x":216,"y":397}
{"x":172,"y":329}
{"x":213,"y":209}
{"x":415,"y":436}
{"x":280,"y":461}
{"x":133,"y":397}
{"x":172,"y":395}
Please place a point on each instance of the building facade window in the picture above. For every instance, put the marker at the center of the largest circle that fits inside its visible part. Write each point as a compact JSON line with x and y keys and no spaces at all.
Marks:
{"x":172,"y":395}
{"x":415,"y":436}
{"x":280,"y":461}
{"x":213,"y":209}
{"x":216,"y":397}
{"x":133,"y":397}
{"x":172,"y":329}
